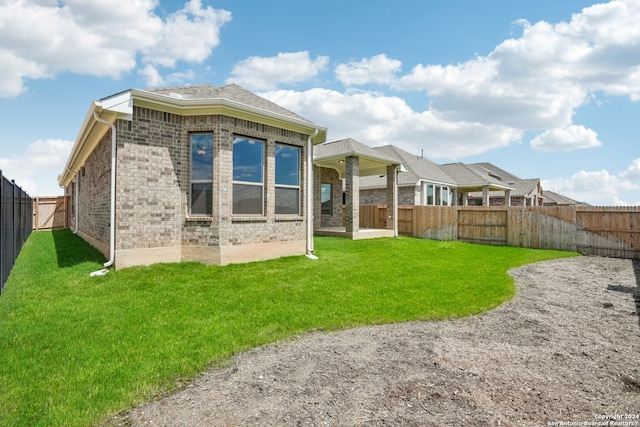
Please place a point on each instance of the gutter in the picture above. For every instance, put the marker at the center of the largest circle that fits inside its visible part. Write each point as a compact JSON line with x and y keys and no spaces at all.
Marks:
{"x":310,"y":206}
{"x":396,"y":170}
{"x":112,"y":213}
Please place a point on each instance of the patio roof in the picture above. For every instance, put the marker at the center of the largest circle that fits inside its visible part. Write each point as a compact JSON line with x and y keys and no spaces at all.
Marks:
{"x":333,"y":154}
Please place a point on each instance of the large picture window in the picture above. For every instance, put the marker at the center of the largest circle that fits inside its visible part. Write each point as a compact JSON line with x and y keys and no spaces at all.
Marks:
{"x":201,"y":174}
{"x":248,"y":176}
{"x":287,"y":180}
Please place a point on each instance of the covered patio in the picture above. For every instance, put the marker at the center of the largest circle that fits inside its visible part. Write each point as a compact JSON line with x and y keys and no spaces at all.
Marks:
{"x":346,"y":161}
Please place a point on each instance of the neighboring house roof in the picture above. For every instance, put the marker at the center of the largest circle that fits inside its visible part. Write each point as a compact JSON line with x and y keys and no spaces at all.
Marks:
{"x":471,"y":179}
{"x":333,"y":154}
{"x":418,"y":169}
{"x":520,"y":187}
{"x":230,"y":100}
{"x":496,"y":171}
{"x":552,"y":198}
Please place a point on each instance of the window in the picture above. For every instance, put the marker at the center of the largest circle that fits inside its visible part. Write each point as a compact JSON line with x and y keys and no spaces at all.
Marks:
{"x":248,"y":176}
{"x":202,"y":174}
{"x":438,"y":195}
{"x":430,"y":195}
{"x":287,"y":180}
{"x":326,"y":201}
{"x":445,"y":196}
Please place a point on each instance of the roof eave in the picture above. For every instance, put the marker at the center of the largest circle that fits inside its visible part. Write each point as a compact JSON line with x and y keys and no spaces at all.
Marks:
{"x":207,"y":106}
{"x":75,"y":160}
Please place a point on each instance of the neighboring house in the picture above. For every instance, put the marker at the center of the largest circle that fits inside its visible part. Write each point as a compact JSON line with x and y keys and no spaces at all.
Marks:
{"x":424,"y":182}
{"x":203,"y":173}
{"x":554,"y":199}
{"x":526,"y":192}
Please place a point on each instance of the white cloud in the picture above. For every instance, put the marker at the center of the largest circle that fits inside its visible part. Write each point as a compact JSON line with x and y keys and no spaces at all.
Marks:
{"x":599,"y":187}
{"x":538,"y":80}
{"x":189,"y":34}
{"x":267,"y":73}
{"x":37,"y":169}
{"x":41,"y":39}
{"x":632,"y":173}
{"x":153,"y":78}
{"x":378,"y":69}
{"x":379,"y":120}
{"x":567,"y":139}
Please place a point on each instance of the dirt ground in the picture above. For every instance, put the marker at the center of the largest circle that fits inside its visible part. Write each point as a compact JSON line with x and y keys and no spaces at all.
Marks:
{"x":565,"y":349}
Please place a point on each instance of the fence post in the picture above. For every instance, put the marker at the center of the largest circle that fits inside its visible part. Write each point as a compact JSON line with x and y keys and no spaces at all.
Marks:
{"x":2,"y":231}
{"x":15,"y":224}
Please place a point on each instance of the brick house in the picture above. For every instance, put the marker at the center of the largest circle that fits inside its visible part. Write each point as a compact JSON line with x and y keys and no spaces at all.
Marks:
{"x":525,"y":192}
{"x":426,"y":183}
{"x":194,"y":173}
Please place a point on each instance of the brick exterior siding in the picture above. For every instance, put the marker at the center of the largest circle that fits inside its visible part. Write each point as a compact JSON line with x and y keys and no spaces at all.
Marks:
{"x":153,"y":187}
{"x":378,"y":196}
{"x":327,"y":176}
{"x":94,"y":187}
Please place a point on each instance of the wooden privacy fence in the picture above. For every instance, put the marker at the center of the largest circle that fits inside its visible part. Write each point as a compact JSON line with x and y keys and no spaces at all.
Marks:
{"x":50,"y":213}
{"x":606,"y":231}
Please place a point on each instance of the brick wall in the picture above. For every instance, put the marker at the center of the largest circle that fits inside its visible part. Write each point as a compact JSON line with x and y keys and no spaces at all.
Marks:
{"x":153,"y":187}
{"x":150,"y":162}
{"x":378,"y":196}
{"x":328,"y":176}
{"x":94,"y":195}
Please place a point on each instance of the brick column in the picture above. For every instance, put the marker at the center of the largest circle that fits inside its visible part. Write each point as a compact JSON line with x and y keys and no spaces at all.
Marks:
{"x":391,"y":196}
{"x":352,"y":184}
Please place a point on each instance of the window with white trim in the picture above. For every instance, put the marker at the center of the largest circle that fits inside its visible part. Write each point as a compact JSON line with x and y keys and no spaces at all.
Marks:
{"x":326,"y":198}
{"x":201,"y":174}
{"x":248,"y":176}
{"x":287,"y":180}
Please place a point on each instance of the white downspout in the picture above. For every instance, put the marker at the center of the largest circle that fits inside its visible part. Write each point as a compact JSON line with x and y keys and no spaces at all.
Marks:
{"x":112,"y":218}
{"x":395,"y":201}
{"x":310,"y":206}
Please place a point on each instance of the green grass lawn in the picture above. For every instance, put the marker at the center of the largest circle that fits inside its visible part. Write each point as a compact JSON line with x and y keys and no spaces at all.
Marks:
{"x":75,"y":349}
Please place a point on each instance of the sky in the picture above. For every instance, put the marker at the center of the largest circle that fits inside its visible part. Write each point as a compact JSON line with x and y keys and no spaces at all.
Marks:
{"x":543,"y":89}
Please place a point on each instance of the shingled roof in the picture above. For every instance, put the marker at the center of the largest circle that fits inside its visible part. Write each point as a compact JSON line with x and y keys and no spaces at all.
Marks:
{"x":418,"y":168}
{"x":231,"y":92}
{"x":333,"y":154}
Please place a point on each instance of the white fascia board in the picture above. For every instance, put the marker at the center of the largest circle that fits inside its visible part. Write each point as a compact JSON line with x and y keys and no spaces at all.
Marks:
{"x":367,"y":157}
{"x":441,"y":183}
{"x":120,"y":103}
{"x":112,"y":108}
{"x":71,"y":167}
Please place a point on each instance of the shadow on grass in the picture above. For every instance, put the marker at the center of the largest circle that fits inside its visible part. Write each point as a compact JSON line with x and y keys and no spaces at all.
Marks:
{"x":72,"y":250}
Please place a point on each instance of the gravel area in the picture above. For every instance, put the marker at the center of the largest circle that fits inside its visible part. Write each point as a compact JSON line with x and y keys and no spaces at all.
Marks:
{"x":565,"y":349}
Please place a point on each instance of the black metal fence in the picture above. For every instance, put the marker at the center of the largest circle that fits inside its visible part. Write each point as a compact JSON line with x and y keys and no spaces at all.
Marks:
{"x":16,"y":223}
